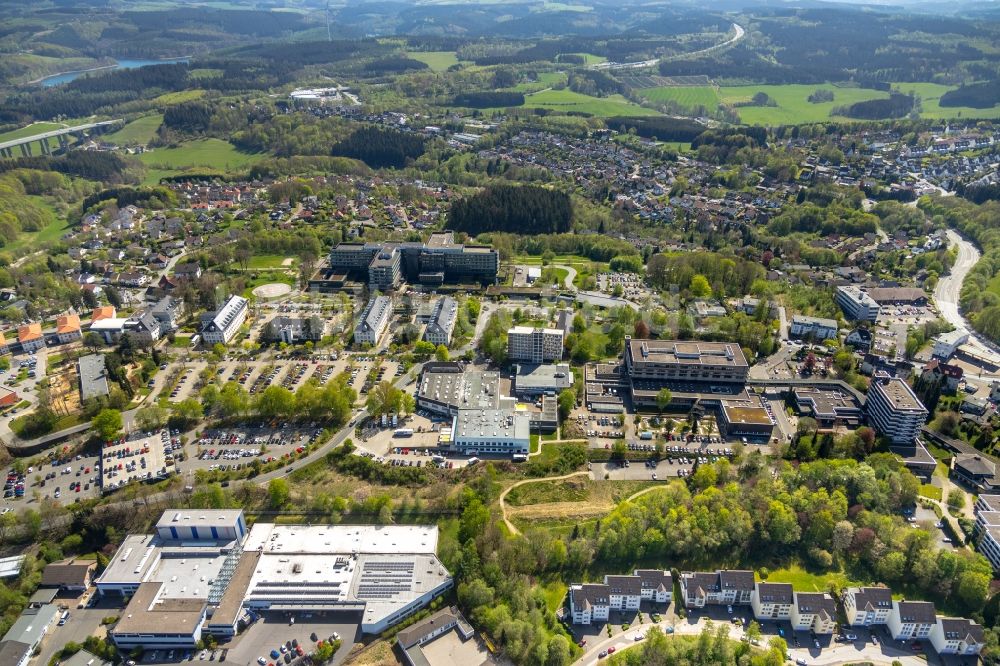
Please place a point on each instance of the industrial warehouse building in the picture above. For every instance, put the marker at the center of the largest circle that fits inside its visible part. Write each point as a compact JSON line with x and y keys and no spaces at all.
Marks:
{"x":202,"y":570}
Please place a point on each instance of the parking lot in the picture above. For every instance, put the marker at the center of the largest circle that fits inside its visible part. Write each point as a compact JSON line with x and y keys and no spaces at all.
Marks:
{"x":138,"y":457}
{"x":236,"y":448}
{"x":273,"y":631}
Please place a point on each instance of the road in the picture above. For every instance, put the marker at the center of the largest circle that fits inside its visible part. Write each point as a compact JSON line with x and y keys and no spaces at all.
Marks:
{"x":570,"y":275}
{"x":948,"y":290}
{"x":739,"y":33}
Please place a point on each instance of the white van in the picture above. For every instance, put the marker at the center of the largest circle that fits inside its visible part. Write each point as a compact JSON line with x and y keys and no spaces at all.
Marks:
{"x":64,"y":618}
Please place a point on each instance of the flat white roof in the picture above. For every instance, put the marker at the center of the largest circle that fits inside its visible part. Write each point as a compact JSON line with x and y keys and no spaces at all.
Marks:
{"x":342,"y":539}
{"x":198,"y":517}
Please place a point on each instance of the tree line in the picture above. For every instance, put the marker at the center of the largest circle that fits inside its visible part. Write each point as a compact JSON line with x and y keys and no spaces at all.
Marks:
{"x":487,"y":99}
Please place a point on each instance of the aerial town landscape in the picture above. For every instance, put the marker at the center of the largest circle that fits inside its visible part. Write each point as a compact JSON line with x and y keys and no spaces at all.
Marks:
{"x":433,"y":333}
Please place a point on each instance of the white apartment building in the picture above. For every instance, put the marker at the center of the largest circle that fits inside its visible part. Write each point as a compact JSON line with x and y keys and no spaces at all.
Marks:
{"x":772,"y":601}
{"x":946,"y":344}
{"x":866,"y":606}
{"x":815,"y":327}
{"x":374,"y":321}
{"x":815,"y":612}
{"x":957,"y":635}
{"x":911,"y":619}
{"x":222,"y":325}
{"x":589,"y":603}
{"x":857,"y":304}
{"x":657,"y":585}
{"x":987,"y":529}
{"x":441,"y":325}
{"x":534,"y":345}
{"x":625,"y":592}
{"x":894,"y":409}
{"x":723,"y":587}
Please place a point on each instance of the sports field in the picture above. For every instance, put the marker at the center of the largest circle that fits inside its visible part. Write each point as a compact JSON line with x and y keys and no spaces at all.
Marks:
{"x":567,"y":101}
{"x":211,"y":153}
{"x":140,"y":131}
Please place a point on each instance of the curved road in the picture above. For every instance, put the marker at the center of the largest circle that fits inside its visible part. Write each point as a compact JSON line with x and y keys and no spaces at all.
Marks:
{"x":949,"y":288}
{"x":740,"y":32}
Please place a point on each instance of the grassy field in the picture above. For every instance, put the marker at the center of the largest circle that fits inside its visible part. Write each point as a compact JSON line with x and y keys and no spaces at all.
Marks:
{"x":687,"y":96}
{"x":930,"y":96}
{"x":793,"y":106}
{"x":805,"y":581}
{"x":265,"y":261}
{"x":178,"y":97}
{"x":29,"y":241}
{"x":590,"y":58}
{"x":544,"y":492}
{"x":436,"y":60}
{"x":139,"y":131}
{"x":210,"y":153}
{"x":554,"y":593}
{"x":567,"y":100}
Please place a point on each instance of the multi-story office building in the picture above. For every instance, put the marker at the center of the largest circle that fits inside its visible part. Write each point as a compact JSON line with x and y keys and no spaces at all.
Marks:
{"x":441,"y":325}
{"x":772,"y":601}
{"x":433,"y":263}
{"x":816,"y":328}
{"x":222,"y":325}
{"x":493,"y":431}
{"x":384,"y":270}
{"x":682,"y":361}
{"x":894,"y":409}
{"x":857,"y":304}
{"x":866,"y":606}
{"x":911,"y":619}
{"x":374,"y":321}
{"x":534,"y":345}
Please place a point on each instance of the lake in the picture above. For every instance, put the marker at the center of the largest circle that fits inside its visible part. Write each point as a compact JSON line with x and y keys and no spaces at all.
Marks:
{"x":66,"y":77}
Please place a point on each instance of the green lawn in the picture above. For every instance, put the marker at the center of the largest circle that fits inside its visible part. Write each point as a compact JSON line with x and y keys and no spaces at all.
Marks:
{"x":567,"y":101}
{"x":930,"y":491}
{"x":436,"y":60}
{"x":805,"y":581}
{"x":545,"y":492}
{"x":167,"y":99}
{"x":555,"y":593}
{"x":203,"y":153}
{"x":686,"y":96}
{"x":590,"y":58}
{"x":140,"y":131}
{"x":265,"y":261}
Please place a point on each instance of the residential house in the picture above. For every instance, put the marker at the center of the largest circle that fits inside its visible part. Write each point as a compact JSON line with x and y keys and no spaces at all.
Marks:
{"x":188,"y":271}
{"x":865,"y":606}
{"x":956,"y":635}
{"x":815,"y":328}
{"x":772,"y":601}
{"x":69,"y":574}
{"x":68,"y":328}
{"x":911,"y":619}
{"x":103,"y":312}
{"x":815,"y":612}
{"x":976,"y":470}
{"x":132,"y":279}
{"x":168,"y":312}
{"x":947,"y":375}
{"x":860,"y":339}
{"x":143,"y":328}
{"x":30,"y":336}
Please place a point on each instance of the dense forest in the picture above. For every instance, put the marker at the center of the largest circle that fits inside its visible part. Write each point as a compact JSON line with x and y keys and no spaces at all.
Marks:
{"x":662,"y":129}
{"x":380,"y":147}
{"x":526,"y":209}
{"x":897,"y":106}
{"x":488,"y":99}
{"x":977,"y":95}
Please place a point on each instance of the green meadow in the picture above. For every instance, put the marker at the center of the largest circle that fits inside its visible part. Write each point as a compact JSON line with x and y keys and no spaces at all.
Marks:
{"x":436,"y":60}
{"x":203,"y":153}
{"x":686,"y":96}
{"x":569,"y":101}
{"x":140,"y":131}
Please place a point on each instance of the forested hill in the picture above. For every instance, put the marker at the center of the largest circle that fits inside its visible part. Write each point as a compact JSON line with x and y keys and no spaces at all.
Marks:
{"x":526,"y":209}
